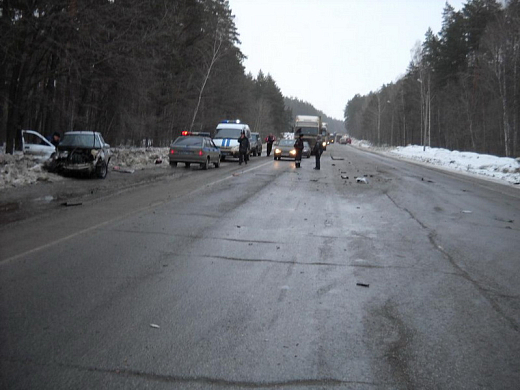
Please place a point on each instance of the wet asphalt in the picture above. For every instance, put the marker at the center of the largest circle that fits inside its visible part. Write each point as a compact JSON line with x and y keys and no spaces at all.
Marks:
{"x":372,"y":273}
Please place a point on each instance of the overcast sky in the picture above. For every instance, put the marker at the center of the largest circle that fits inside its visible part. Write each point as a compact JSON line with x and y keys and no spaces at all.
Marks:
{"x":326,"y":51}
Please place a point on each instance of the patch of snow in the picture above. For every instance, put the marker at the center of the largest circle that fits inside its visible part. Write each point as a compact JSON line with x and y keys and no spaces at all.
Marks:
{"x":503,"y":168}
{"x":18,"y":170}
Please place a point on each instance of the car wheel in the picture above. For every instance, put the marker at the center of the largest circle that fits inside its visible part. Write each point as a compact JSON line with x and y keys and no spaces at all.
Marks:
{"x":223,"y":158}
{"x":217,"y":164}
{"x":173,"y":163}
{"x":205,"y":165}
{"x":102,"y":170}
{"x":187,"y":165}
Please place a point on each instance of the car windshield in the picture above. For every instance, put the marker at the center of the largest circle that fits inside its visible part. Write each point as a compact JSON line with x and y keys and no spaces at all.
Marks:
{"x":228,"y":133}
{"x":83,"y":140}
{"x":188,"y":141}
{"x":286,"y":142}
{"x":308,"y":130}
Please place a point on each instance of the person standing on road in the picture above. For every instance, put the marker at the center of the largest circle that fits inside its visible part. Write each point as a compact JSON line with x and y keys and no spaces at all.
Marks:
{"x":318,"y":150}
{"x":243,"y":148}
{"x":298,"y":145}
{"x":269,"y":140}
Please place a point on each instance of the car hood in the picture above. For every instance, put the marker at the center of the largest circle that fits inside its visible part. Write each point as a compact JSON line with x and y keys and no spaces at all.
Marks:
{"x":225,"y":142}
{"x":285,"y":147}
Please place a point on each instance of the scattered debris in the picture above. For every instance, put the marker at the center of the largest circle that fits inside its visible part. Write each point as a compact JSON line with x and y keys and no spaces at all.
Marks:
{"x":467,"y":211}
{"x":336,"y":158}
{"x":69,"y":204}
{"x":158,"y":161}
{"x":238,"y":226}
{"x":344,"y":177}
{"x":154,"y":326}
{"x":362,"y":284}
{"x":361,"y":180}
{"x":123,"y":170}
{"x":236,"y":174}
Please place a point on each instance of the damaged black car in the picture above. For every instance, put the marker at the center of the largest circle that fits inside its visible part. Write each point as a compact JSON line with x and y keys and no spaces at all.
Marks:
{"x":83,"y":152}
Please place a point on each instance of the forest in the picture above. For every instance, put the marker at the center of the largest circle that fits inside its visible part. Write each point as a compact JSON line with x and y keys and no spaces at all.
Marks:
{"x":461,"y":90}
{"x":140,"y":72}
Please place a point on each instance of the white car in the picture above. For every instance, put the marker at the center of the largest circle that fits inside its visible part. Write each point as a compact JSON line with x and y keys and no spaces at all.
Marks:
{"x":35,"y":144}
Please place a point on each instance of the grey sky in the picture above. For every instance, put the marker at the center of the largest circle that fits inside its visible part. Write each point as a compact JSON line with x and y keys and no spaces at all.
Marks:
{"x":326,"y":51}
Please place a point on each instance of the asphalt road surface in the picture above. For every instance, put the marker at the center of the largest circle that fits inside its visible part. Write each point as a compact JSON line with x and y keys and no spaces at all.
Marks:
{"x":266,"y":276}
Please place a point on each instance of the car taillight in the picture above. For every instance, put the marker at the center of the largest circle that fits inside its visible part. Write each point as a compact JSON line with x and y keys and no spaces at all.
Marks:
{"x":185,"y":133}
{"x":200,"y":153}
{"x":172,"y":151}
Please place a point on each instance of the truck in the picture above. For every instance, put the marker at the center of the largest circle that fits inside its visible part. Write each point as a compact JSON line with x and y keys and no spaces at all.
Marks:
{"x":310,"y":127}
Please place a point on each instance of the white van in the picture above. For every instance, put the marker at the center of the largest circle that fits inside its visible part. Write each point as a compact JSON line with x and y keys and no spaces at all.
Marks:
{"x":227,"y":135}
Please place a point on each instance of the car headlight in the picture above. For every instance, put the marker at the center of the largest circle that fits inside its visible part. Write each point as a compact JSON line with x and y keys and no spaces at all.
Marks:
{"x":324,"y":143}
{"x":277,"y":151}
{"x":63,"y":154}
{"x":234,"y":148}
{"x":292,"y":152}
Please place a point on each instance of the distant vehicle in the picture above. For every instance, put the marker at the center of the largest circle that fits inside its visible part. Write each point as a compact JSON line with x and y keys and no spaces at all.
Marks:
{"x":284,"y":149}
{"x":196,"y":148}
{"x":35,"y":144}
{"x":306,"y":149}
{"x":345,"y":140}
{"x":310,"y":126}
{"x":84,"y":152}
{"x":325,"y":135}
{"x":256,"y":144}
{"x":227,"y":135}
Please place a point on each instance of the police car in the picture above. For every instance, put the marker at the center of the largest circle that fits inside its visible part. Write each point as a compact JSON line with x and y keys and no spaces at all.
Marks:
{"x":226,"y":137}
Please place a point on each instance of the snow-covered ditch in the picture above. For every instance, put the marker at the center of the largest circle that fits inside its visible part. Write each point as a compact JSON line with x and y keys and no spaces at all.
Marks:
{"x":19,"y":170}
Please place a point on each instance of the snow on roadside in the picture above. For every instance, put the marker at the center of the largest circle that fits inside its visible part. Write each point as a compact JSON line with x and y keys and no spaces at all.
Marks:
{"x":503,"y":168}
{"x":18,"y":170}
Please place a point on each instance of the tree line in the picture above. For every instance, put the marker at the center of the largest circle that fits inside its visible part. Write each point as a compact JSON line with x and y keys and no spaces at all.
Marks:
{"x":461,"y":90}
{"x":140,"y":72}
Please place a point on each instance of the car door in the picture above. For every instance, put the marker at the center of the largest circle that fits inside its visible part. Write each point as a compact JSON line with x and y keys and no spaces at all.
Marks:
{"x":34,"y":144}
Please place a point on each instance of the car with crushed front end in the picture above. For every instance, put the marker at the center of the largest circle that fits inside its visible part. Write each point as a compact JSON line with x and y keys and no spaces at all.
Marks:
{"x":82,"y":152}
{"x":194,"y":148}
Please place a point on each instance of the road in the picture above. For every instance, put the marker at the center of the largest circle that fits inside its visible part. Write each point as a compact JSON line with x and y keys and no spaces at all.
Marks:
{"x":267,"y":276}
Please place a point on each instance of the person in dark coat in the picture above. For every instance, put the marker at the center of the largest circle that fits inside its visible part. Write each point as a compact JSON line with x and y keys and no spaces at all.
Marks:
{"x":243,"y":149}
{"x":318,"y":150}
{"x":298,"y":146}
{"x":269,"y":140}
{"x":55,"y":139}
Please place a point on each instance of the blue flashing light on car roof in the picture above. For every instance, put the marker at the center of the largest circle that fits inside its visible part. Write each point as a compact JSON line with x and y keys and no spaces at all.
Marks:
{"x":231,"y":121}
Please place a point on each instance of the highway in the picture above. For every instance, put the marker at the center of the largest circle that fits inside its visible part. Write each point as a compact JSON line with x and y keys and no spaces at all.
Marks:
{"x":372,"y":273}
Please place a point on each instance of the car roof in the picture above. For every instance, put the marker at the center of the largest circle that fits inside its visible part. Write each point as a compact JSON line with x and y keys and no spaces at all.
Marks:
{"x":81,"y":132}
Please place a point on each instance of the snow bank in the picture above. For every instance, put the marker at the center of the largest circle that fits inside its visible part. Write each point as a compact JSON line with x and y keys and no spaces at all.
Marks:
{"x":19,"y":170}
{"x":503,"y":168}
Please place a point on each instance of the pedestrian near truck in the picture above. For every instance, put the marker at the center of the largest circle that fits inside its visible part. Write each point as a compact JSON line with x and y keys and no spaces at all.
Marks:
{"x":298,"y":146}
{"x":318,"y":150}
